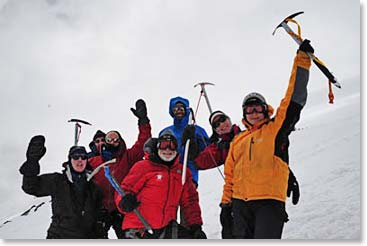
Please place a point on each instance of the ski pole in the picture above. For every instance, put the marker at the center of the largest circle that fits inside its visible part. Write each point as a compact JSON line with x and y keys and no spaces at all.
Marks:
{"x":117,"y":187}
{"x":299,"y":40}
{"x":187,"y":146}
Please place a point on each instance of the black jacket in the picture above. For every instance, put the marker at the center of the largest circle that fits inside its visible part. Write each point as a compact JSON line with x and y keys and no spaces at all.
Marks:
{"x":76,"y":213}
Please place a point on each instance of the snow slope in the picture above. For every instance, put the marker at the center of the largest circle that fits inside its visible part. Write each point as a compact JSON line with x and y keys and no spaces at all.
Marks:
{"x":324,"y":155}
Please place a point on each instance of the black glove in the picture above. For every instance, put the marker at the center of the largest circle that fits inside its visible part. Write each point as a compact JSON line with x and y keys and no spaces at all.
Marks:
{"x":223,"y":144}
{"x":197,"y":232}
{"x":226,"y":220}
{"x":140,"y":112}
{"x":188,"y":133}
{"x":293,"y":187}
{"x":306,"y":46}
{"x":193,"y":150}
{"x":36,"y":148}
{"x":129,"y":202}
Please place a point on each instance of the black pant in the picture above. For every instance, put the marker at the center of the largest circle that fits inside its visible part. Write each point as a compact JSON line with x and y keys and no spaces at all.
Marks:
{"x":115,"y":219}
{"x":258,"y":219}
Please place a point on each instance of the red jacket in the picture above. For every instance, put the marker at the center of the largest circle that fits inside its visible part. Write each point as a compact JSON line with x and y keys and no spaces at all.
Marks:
{"x":124,"y":161}
{"x":159,"y":190}
{"x":214,"y":156}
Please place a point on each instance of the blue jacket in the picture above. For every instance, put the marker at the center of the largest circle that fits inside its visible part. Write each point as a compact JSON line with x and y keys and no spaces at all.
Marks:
{"x":201,"y":137}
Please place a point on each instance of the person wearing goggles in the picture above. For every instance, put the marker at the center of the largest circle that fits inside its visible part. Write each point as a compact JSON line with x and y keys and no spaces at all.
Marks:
{"x":257,"y":165}
{"x":154,"y":187}
{"x":125,"y":158}
{"x":77,"y":204}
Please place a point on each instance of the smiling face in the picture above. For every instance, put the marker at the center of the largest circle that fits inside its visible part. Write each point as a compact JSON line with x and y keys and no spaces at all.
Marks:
{"x":167,"y":154}
{"x":179,"y":110}
{"x":254,"y":113}
{"x":78,"y":163}
{"x":222,"y":124}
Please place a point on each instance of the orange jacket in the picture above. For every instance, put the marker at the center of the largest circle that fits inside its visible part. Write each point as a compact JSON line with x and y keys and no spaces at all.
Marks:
{"x":257,"y":163}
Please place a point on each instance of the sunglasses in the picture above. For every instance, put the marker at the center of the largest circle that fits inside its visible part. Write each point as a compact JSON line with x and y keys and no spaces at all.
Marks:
{"x":220,"y":120}
{"x":167,"y":144}
{"x":97,"y":141}
{"x":77,"y":156}
{"x":110,"y":140}
{"x":175,"y":109}
{"x":254,"y":108}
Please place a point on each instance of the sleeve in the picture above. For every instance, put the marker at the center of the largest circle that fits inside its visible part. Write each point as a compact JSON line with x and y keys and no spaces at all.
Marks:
{"x":296,"y":94}
{"x":136,"y":152}
{"x":228,"y":176}
{"x":210,"y":157}
{"x":202,"y":137}
{"x":41,"y":185}
{"x":133,"y":182}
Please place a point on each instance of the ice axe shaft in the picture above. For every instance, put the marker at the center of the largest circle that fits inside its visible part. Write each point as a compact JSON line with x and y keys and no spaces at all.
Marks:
{"x":202,"y":85}
{"x":299,"y":41}
{"x":78,"y":128}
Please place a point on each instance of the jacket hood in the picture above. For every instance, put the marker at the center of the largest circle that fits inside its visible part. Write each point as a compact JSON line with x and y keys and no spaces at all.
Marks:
{"x":185,"y":120}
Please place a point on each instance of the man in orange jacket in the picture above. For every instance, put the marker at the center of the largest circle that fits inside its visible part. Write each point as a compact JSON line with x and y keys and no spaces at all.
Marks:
{"x":256,"y":169}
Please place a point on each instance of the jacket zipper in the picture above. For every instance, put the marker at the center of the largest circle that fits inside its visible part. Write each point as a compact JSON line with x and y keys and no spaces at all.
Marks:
{"x":251,"y":142}
{"x":164,"y":207}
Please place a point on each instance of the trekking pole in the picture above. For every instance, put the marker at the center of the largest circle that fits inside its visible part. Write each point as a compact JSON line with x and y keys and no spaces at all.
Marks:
{"x":78,"y":129}
{"x":299,"y":40}
{"x":117,"y":187}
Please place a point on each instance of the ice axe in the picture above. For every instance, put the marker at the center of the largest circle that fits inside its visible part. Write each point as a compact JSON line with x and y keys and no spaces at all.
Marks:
{"x":78,"y":129}
{"x":299,"y":40}
{"x":203,"y":92}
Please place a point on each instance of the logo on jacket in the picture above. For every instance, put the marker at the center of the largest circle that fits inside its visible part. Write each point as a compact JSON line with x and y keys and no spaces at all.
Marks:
{"x":159,"y":176}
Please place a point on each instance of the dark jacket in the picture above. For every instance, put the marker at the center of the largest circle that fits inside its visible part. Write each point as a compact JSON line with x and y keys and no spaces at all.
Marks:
{"x":75,"y":212}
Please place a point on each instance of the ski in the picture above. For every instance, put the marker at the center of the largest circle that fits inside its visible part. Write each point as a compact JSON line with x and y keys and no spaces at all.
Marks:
{"x":117,"y":187}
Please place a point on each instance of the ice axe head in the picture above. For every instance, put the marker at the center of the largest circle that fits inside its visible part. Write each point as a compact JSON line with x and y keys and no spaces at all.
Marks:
{"x":202,"y":84}
{"x":287,"y":19}
{"x":77,"y":129}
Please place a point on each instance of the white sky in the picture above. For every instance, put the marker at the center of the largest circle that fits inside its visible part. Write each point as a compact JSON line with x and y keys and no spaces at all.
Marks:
{"x":93,"y":59}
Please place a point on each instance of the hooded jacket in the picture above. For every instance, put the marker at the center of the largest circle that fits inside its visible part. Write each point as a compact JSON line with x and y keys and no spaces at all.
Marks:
{"x":75,"y":210}
{"x":125,"y":159}
{"x":201,"y":137}
{"x":159,"y":190}
{"x":257,"y":163}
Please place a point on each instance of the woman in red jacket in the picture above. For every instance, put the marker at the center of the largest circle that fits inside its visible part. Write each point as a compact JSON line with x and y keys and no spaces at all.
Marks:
{"x":154,"y":187}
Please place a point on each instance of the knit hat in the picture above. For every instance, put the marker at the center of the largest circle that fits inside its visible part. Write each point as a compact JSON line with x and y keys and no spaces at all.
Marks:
{"x":99,"y":134}
{"x":77,"y":150}
{"x":214,"y":115}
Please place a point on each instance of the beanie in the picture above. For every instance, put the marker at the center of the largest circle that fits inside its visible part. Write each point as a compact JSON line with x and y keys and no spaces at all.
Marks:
{"x":77,"y":150}
{"x":214,"y":115}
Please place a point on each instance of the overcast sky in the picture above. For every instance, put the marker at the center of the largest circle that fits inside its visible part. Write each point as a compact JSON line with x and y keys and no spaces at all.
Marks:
{"x":93,"y":59}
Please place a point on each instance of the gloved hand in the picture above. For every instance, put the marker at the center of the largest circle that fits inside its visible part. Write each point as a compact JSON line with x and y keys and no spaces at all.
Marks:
{"x":223,"y":144}
{"x":129,"y":202}
{"x":197,"y":232}
{"x":193,"y":150}
{"x":226,"y":220}
{"x":293,"y":187}
{"x":306,"y":46}
{"x":36,"y":148}
{"x":188,"y":133}
{"x":140,"y":111}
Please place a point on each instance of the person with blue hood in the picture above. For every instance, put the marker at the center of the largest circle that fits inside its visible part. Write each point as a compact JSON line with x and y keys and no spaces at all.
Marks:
{"x":179,"y":109}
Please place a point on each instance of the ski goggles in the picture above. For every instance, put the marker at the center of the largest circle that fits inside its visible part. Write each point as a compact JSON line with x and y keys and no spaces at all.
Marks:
{"x":218,"y":121}
{"x":177,"y":108}
{"x":79,"y":156}
{"x":112,"y":140}
{"x":253,"y":108}
{"x":167,"y":144}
